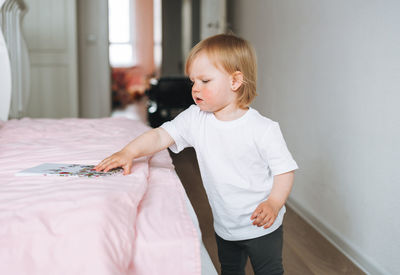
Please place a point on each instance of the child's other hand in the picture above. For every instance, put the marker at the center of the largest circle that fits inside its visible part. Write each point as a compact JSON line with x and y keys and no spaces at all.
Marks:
{"x":265,"y":214}
{"x":119,"y":159}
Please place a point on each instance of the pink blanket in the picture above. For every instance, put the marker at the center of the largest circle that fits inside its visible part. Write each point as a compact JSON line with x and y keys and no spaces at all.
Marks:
{"x":135,"y":224}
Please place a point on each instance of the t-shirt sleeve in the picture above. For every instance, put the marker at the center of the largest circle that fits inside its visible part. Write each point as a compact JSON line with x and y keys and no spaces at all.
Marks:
{"x":275,"y":152}
{"x":180,"y":130}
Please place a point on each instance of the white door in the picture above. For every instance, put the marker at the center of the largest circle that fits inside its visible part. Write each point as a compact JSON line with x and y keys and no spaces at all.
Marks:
{"x":212,"y":17}
{"x":51,"y":35}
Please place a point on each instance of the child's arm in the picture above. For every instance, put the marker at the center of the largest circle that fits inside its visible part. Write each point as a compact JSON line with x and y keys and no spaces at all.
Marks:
{"x":148,"y":143}
{"x":267,"y":211}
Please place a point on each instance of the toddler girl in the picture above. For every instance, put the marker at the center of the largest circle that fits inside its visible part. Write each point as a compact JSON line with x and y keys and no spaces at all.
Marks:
{"x":246,"y":168}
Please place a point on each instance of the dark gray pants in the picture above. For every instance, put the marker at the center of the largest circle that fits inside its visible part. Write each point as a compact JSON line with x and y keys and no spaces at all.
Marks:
{"x":265,"y":254}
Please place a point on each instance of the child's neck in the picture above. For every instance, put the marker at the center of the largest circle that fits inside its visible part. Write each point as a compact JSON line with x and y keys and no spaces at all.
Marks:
{"x":232,"y":113}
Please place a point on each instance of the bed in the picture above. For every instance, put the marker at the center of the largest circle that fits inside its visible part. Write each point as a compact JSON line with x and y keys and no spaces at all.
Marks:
{"x":136,"y":224}
{"x":142,"y":223}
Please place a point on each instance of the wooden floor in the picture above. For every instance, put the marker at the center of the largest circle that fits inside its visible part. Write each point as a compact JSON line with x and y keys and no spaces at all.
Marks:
{"x":305,"y":251}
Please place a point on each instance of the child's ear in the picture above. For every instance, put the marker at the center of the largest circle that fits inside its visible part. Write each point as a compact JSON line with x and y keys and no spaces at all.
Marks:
{"x":236,"y":80}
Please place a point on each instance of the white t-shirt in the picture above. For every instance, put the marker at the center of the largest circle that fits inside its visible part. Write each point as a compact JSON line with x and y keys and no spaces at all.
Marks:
{"x":237,"y":161}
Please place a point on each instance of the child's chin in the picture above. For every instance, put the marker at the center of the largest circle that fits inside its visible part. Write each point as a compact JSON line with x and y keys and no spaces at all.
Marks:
{"x":204,"y":108}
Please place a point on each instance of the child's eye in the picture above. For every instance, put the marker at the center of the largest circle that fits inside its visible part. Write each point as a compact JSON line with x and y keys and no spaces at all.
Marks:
{"x":205,"y":81}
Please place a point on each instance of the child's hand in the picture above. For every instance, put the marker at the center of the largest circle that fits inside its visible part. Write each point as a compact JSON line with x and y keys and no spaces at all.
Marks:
{"x":119,"y":159}
{"x":265,"y":214}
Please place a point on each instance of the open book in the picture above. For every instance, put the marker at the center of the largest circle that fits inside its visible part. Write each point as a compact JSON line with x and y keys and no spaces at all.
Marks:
{"x":67,"y":170}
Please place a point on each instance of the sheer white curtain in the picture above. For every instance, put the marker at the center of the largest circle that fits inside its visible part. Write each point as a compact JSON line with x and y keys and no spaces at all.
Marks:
{"x":135,"y":34}
{"x":121,"y":16}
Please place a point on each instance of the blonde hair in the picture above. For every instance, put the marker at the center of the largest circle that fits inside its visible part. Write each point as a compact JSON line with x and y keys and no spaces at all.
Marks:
{"x":232,"y":54}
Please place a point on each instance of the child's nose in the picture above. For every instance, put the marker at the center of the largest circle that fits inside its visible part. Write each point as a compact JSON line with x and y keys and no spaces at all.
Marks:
{"x":195,"y":87}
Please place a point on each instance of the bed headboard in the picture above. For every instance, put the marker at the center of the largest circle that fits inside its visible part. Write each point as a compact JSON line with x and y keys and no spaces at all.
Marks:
{"x":14,"y":60}
{"x":5,"y":76}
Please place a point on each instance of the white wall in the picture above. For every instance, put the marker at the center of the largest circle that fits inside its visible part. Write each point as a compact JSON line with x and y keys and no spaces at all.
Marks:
{"x":94,"y":65}
{"x":329,"y":72}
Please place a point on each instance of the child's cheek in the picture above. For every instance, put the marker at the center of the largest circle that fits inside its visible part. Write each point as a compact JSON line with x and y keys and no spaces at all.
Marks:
{"x":207,"y":94}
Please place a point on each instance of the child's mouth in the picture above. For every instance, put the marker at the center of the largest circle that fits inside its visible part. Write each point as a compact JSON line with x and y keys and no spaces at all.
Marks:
{"x":198,"y":100}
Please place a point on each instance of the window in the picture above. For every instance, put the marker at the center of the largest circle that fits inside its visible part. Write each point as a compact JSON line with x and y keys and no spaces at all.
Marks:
{"x":121,"y":33}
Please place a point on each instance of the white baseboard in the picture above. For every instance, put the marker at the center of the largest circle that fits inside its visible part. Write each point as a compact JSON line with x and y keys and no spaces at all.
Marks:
{"x":361,"y":261}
